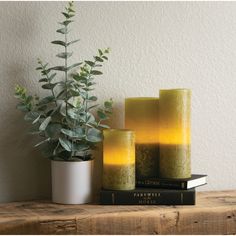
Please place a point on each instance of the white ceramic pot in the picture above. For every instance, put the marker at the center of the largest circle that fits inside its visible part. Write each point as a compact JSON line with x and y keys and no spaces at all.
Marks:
{"x":72,"y":181}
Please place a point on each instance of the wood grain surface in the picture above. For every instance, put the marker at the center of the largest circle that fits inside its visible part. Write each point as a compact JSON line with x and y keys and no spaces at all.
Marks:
{"x":214,"y":213}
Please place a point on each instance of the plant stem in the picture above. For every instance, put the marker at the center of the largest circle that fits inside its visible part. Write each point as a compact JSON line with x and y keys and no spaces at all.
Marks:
{"x":53,"y":94}
{"x":86,"y":102}
{"x":66,"y":78}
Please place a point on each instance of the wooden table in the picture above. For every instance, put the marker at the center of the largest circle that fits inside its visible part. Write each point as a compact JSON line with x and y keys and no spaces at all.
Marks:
{"x":214,"y":213}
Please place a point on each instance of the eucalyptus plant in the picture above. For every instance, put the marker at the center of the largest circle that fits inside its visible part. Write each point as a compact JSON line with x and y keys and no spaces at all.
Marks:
{"x":68,"y":119}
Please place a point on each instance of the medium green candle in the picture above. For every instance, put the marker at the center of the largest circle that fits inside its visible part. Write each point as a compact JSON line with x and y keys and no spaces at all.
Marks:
{"x":141,"y":115}
{"x":119,"y":159}
{"x":175,"y":133}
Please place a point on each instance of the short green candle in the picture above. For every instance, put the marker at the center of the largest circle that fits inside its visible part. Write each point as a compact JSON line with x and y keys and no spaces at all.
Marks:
{"x":141,"y":115}
{"x":175,"y":133}
{"x":119,"y":159}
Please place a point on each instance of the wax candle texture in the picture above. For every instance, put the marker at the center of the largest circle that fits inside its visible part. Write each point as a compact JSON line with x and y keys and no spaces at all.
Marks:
{"x":119,"y":159}
{"x":175,"y":133}
{"x":141,"y":115}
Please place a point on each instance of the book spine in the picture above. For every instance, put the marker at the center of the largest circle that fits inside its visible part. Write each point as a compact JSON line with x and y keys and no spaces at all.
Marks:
{"x":161,"y":184}
{"x":147,"y":198}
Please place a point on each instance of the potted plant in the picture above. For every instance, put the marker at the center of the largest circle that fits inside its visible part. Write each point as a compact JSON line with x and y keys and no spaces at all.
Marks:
{"x":68,"y":120}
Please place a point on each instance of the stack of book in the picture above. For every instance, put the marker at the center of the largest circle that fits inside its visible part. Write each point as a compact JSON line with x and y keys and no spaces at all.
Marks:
{"x":153,"y":191}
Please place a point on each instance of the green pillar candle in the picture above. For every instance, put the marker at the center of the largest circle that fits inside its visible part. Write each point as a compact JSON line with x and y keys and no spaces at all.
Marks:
{"x":141,"y":115}
{"x":175,"y":133}
{"x":119,"y":159}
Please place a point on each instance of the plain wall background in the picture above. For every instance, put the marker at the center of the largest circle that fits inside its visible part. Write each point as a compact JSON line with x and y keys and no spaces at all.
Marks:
{"x":154,"y":45}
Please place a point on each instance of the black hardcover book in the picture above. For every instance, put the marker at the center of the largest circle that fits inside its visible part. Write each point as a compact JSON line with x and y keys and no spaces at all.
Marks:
{"x":193,"y":182}
{"x":145,"y":196}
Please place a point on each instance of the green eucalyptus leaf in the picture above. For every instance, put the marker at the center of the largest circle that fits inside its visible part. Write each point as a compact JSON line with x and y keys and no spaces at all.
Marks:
{"x":45,"y":66}
{"x":58,"y":149}
{"x":42,"y":108}
{"x":48,"y":148}
{"x":94,"y":135}
{"x":74,"y":92}
{"x":74,"y":101}
{"x":36,"y":120}
{"x":98,"y":59}
{"x":66,"y":22}
{"x":91,"y":83}
{"x":64,"y":55}
{"x":77,"y":147}
{"x":22,"y":107}
{"x":104,"y":57}
{"x":104,"y":126}
{"x":66,"y":144}
{"x":101,"y":115}
{"x":72,"y":113}
{"x":79,"y":78}
{"x":88,"y":89}
{"x":80,"y":131}
{"x":100,"y":52}
{"x":108,"y":104}
{"x":46,"y":100}
{"x":31,"y":116}
{"x":65,"y":155}
{"x":48,"y":86}
{"x":28,"y":99}
{"x":62,"y":31}
{"x":96,"y":72}
{"x":67,"y":15}
{"x":73,"y":133}
{"x":93,"y":98}
{"x":53,"y":130}
{"x":58,"y":42}
{"x":90,"y":118}
{"x":83,"y":94}
{"x":98,"y":65}
{"x":74,"y":65}
{"x":82,"y":117}
{"x":59,"y":68}
{"x":63,"y":109}
{"x":51,"y":77}
{"x":42,"y":142}
{"x":45,"y":72}
{"x":90,"y":63}
{"x":43,"y":80}
{"x":72,"y":42}
{"x":70,"y":10}
{"x":45,"y":123}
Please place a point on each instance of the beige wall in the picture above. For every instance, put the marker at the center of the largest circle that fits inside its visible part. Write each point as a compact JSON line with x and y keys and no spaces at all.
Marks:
{"x":154,"y":45}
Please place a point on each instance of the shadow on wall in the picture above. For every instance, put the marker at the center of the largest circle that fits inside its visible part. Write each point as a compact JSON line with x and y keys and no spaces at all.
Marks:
{"x":24,"y":174}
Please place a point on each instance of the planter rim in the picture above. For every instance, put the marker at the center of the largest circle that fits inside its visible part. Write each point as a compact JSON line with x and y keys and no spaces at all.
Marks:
{"x":72,"y":161}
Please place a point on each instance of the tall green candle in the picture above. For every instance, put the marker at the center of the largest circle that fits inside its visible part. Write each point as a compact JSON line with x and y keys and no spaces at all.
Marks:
{"x":175,"y":133}
{"x":119,"y":159}
{"x":141,"y":115}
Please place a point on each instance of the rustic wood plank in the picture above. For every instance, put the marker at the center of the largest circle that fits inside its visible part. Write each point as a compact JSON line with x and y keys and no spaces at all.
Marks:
{"x":214,"y":213}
